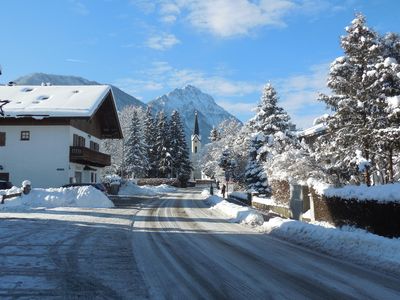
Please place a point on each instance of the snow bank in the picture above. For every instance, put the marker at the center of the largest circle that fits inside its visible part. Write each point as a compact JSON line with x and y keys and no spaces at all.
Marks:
{"x":267,"y":201}
{"x":236,"y":213}
{"x":380,"y":193}
{"x":347,"y":242}
{"x":132,"y":189}
{"x":82,"y":196}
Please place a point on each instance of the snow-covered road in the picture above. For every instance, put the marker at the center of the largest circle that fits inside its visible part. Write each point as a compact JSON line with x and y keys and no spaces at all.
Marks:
{"x":185,"y":250}
{"x":173,"y":247}
{"x":68,"y":253}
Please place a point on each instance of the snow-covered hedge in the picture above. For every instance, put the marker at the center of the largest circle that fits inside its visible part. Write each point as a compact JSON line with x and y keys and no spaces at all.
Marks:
{"x":379,"y":193}
{"x":376,"y":209}
{"x":82,"y":196}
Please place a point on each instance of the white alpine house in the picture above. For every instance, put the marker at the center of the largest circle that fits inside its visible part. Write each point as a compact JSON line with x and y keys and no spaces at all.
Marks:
{"x":51,"y":134}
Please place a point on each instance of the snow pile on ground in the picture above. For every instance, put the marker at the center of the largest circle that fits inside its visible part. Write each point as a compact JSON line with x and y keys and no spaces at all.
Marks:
{"x":236,"y":213}
{"x":354,"y":244}
{"x":268,"y":201}
{"x":13,"y":190}
{"x":82,"y":196}
{"x":380,"y":193}
{"x":131,"y":189}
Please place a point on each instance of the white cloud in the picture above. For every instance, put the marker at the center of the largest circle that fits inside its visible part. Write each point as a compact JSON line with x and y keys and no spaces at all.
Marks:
{"x":162,"y":42}
{"x":146,"y":6}
{"x":213,"y":84}
{"x":227,"y":18}
{"x":75,"y":60}
{"x":163,"y":75}
{"x":244,"y":109}
{"x":79,"y":7}
{"x":136,"y":87}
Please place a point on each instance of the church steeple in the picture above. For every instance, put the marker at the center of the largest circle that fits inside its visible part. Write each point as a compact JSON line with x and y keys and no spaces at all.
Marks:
{"x":196,"y":130}
{"x":196,"y":146}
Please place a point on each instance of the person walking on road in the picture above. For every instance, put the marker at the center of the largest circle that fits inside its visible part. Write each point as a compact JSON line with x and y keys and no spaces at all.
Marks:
{"x":223,"y":189}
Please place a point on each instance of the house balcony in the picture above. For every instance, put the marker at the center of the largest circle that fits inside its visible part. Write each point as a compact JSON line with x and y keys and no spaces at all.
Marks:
{"x":86,"y":156}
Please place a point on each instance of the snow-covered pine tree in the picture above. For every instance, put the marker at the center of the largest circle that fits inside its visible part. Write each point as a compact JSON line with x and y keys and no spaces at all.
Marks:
{"x":136,"y":163}
{"x":255,"y":175}
{"x":391,"y":45}
{"x":214,"y":135}
{"x":149,"y":136}
{"x":181,"y":165}
{"x":384,"y":84}
{"x":163,"y":156}
{"x":354,"y":103}
{"x":227,"y":163}
{"x":273,"y":122}
{"x":116,"y":148}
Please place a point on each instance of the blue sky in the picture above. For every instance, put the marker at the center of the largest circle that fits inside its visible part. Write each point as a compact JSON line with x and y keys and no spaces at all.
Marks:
{"x":227,"y":48}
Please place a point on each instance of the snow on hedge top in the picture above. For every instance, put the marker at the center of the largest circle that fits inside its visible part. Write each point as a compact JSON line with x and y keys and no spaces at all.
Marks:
{"x":52,"y":101}
{"x":380,"y":193}
{"x":83,"y":196}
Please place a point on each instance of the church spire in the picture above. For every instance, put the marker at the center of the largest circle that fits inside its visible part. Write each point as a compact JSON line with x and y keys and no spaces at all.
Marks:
{"x":196,"y":125}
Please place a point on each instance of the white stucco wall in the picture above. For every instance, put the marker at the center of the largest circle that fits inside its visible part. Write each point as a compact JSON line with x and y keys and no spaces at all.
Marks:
{"x":44,"y":159}
{"x":196,"y":142}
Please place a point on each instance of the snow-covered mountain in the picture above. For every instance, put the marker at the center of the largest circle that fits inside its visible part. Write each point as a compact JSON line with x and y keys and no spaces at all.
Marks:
{"x":186,"y":101}
{"x":122,"y":99}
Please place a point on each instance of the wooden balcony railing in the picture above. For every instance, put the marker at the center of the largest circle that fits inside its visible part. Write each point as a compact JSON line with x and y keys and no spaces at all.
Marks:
{"x":86,"y":156}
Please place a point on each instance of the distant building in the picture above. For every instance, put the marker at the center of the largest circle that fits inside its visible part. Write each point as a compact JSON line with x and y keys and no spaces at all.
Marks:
{"x":51,"y":134}
{"x":310,"y":135}
{"x":196,"y":147}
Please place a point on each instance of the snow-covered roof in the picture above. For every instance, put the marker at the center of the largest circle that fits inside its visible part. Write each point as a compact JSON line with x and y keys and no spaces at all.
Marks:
{"x":52,"y":101}
{"x":313,"y":130}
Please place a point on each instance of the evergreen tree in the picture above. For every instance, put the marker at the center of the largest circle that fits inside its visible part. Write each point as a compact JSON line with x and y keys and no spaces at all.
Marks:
{"x":214,"y":135}
{"x":384,"y":84}
{"x":360,"y":82}
{"x":150,"y":135}
{"x":181,"y":165}
{"x":255,"y":175}
{"x":273,"y":122}
{"x":162,"y":147}
{"x":136,"y":162}
{"x":227,"y":163}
